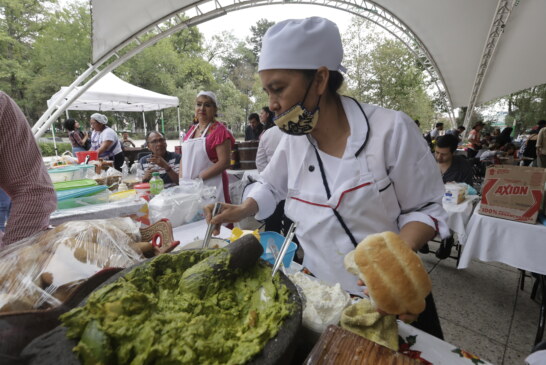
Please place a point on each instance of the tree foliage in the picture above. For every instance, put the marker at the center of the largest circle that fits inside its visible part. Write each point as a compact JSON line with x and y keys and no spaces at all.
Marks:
{"x":383,"y":71}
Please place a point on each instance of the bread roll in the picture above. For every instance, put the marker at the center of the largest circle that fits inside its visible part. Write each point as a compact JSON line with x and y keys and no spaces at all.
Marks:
{"x":394,"y":274}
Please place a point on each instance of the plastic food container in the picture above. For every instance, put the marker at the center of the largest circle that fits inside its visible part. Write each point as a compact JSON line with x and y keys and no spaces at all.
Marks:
{"x":74,"y":198}
{"x":61,"y":174}
{"x":275,"y":238}
{"x":143,"y":190}
{"x":74,"y":184}
{"x":93,"y":155}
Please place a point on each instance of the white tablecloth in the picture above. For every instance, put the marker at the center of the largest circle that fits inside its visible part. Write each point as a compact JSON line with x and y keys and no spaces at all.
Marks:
{"x":459,"y":214}
{"x":520,"y":245}
{"x":420,"y":345}
{"x":196,"y":231}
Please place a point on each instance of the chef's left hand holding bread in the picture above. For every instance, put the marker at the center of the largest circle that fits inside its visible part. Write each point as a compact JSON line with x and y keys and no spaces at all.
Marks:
{"x":394,"y":275}
{"x":346,"y":169}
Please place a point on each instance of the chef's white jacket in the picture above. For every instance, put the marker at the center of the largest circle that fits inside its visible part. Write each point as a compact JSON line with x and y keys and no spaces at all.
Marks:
{"x":395,"y":153}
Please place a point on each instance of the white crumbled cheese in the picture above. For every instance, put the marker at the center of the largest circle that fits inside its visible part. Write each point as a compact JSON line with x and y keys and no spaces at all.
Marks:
{"x":323,"y":303}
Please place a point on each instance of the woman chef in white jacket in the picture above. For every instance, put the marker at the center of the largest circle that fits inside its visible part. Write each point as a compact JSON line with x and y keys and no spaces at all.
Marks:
{"x":346,"y":169}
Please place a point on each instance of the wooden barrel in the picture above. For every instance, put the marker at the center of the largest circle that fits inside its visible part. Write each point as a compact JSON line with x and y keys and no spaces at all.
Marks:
{"x":247,"y":154}
{"x":234,"y":160}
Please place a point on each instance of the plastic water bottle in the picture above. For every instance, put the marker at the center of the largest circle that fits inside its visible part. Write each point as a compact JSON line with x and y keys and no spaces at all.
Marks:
{"x":125,"y":170}
{"x":156,"y":184}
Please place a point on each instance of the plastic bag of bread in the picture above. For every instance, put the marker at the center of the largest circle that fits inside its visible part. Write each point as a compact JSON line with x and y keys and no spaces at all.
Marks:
{"x":39,"y":272}
{"x":394,"y":275}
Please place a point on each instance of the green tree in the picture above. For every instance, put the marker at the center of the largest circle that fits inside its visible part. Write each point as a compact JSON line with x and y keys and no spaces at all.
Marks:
{"x":257,"y":33}
{"x":383,"y":71}
{"x":20,"y":23}
{"x":60,"y":53}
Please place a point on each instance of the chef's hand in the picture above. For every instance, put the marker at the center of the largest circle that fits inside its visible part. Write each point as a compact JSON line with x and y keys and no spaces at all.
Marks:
{"x":230,"y":213}
{"x":406,"y":318}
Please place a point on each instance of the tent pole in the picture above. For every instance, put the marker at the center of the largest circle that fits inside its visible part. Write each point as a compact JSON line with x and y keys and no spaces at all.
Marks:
{"x":54,"y":141}
{"x":178,"y":113}
{"x":162,"y":123}
{"x":66,"y":113}
{"x":144,"y":121}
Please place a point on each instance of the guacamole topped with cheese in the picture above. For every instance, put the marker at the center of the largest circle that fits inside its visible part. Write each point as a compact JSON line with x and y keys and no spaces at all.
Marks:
{"x":149,"y":317}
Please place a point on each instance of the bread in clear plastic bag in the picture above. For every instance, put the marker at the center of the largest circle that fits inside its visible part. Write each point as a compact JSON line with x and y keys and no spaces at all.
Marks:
{"x":41,"y":271}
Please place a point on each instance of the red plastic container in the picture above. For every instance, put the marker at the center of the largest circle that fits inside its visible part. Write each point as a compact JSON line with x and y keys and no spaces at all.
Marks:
{"x":143,"y":190}
{"x":93,"y":155}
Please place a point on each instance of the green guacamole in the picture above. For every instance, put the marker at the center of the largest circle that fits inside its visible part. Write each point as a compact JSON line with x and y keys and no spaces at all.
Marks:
{"x":149,"y":316}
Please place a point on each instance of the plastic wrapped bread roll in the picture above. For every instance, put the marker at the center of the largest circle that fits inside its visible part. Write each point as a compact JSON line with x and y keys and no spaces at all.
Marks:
{"x":394,"y":275}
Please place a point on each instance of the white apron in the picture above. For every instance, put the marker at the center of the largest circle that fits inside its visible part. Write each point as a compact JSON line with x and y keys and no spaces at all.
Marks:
{"x":195,"y":160}
{"x":327,"y":235}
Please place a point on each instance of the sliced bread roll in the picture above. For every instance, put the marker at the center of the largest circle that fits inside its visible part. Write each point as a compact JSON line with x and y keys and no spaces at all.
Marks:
{"x":394,"y":274}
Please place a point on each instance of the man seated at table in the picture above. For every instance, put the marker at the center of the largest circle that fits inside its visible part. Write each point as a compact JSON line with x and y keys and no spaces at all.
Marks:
{"x":453,"y":168}
{"x":160,"y":160}
{"x":126,"y":141}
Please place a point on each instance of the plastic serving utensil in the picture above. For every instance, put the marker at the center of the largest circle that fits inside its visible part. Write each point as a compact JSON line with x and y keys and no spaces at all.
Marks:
{"x":284,"y":247}
{"x":210,"y":227}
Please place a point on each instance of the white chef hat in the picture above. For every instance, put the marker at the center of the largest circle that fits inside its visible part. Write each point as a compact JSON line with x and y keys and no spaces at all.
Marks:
{"x":101,"y":118}
{"x":210,"y":94}
{"x":302,"y":44}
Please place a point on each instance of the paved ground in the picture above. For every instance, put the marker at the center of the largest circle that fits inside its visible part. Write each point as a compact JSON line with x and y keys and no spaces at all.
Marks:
{"x":482,"y":309}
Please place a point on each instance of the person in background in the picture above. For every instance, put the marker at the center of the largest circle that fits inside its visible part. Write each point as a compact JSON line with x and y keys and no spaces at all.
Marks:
{"x":346,"y":169}
{"x":492,"y":155}
{"x":78,"y":139}
{"x":162,"y":161}
{"x":529,"y":148}
{"x":266,"y":118}
{"x":457,"y":132}
{"x":509,"y":156}
{"x":494,"y":135}
{"x":207,"y":147}
{"x":126,"y":141}
{"x":23,"y":176}
{"x":435,"y":133}
{"x":418,"y":123}
{"x":270,"y":139}
{"x":504,"y":137}
{"x":254,"y":128}
{"x":474,"y":138}
{"x":452,"y":167}
{"x":5,"y":204}
{"x":541,"y":144}
{"x":105,"y":141}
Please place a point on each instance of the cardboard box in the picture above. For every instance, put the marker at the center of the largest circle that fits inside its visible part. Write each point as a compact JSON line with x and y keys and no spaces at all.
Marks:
{"x":513,"y":192}
{"x":454,"y":194}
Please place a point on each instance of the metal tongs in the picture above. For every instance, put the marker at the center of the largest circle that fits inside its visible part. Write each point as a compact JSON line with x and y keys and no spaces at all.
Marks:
{"x":210,"y":227}
{"x":284,"y":247}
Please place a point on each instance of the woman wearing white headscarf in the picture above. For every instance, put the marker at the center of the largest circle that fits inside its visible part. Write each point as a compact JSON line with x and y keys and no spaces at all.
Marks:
{"x":346,"y":169}
{"x":207,"y":146}
{"x":105,"y":141}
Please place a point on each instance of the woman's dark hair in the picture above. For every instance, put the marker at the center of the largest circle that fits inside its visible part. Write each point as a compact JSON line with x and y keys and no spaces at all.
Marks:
{"x":69,"y":124}
{"x":270,"y":115}
{"x":335,"y":79}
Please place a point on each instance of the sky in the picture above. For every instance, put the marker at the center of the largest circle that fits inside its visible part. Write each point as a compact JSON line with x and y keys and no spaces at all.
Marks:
{"x":240,"y":21}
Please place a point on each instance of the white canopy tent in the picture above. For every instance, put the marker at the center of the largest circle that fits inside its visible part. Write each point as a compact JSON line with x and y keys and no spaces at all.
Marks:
{"x":474,"y":50}
{"x":111,"y":93}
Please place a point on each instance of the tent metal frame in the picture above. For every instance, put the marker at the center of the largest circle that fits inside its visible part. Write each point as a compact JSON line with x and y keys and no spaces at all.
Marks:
{"x":205,"y":10}
{"x":504,"y":9}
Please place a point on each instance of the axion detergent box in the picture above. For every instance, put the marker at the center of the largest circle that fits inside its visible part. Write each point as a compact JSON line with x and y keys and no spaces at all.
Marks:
{"x":513,"y":192}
